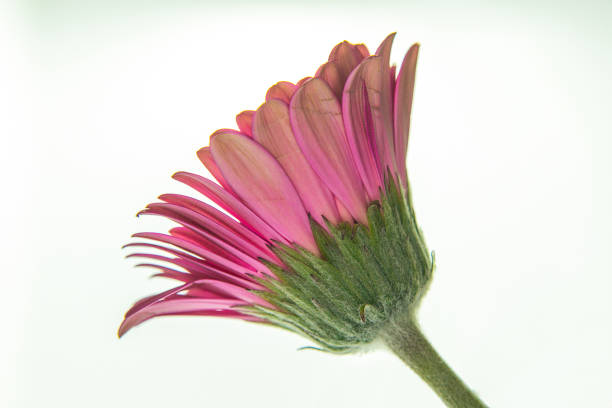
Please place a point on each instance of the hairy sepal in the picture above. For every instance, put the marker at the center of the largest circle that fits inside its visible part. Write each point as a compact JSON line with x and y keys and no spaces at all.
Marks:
{"x":364,"y":276}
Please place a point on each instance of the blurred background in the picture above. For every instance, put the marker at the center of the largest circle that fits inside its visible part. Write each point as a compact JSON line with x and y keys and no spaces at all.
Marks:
{"x":509,"y":159}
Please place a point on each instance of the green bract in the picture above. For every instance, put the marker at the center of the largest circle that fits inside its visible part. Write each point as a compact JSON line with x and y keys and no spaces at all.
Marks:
{"x":364,"y":276}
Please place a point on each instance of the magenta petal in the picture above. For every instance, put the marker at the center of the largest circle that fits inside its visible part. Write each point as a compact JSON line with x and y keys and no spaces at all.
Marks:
{"x":363,"y":50}
{"x":376,"y":75}
{"x":229,"y":203}
{"x":281,"y":90}
{"x":360,"y":133}
{"x":208,"y":244}
{"x":342,"y":60}
{"x":199,"y":270}
{"x":404,"y":90}
{"x":200,"y":251}
{"x":316,"y":120}
{"x":228,"y":290}
{"x":259,"y":180}
{"x":303,"y":81}
{"x":222,"y":219}
{"x":204,"y":226}
{"x":244,"y":120}
{"x":272,"y":129}
{"x":345,"y":215}
{"x":206,"y":158}
{"x":177,"y":306}
{"x":330,"y":73}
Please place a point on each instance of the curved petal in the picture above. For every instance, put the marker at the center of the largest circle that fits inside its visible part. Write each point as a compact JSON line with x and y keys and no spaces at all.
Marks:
{"x":303,"y":81}
{"x":181,"y":306}
{"x":330,"y":73}
{"x":244,"y":120}
{"x":363,"y":50}
{"x":281,"y":90}
{"x":357,"y":117}
{"x":228,"y":290}
{"x":316,"y":120}
{"x":343,"y":58}
{"x":259,"y":180}
{"x":206,"y":158}
{"x":222,"y":219}
{"x":198,"y":250}
{"x":404,"y":91}
{"x":198,"y":269}
{"x":376,"y":75}
{"x":272,"y":129}
{"x":204,"y":225}
{"x":230,"y":203}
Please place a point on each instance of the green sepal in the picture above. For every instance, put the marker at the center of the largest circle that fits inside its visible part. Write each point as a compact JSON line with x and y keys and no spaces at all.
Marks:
{"x":363,"y":276}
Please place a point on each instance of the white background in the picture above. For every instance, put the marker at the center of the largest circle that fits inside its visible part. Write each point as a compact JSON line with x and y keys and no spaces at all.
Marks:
{"x":509,"y":161}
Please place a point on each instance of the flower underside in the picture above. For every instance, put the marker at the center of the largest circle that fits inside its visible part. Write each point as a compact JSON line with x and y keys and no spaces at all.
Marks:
{"x":317,"y":232}
{"x":364,"y":276}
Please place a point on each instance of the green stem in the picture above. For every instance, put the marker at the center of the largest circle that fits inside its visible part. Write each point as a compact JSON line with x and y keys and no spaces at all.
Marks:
{"x":404,"y":337}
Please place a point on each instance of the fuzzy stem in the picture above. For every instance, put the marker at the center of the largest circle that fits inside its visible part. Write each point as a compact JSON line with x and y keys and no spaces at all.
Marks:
{"x":404,"y":337}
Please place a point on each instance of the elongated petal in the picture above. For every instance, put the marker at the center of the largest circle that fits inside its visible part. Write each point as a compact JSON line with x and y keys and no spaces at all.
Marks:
{"x":208,"y":244}
{"x":272,"y":129}
{"x":330,"y":73}
{"x":345,"y":215}
{"x":230,"y":203}
{"x":179,"y":306}
{"x":198,"y":250}
{"x":316,"y":120}
{"x":206,"y":158}
{"x":281,"y":90}
{"x":404,"y":91}
{"x":377,"y":74}
{"x":244,"y":120}
{"x":232,"y":291}
{"x":363,"y":50}
{"x":357,"y":117}
{"x":204,"y":225}
{"x":259,"y":180}
{"x":222,"y":219}
{"x":342,"y":60}
{"x":199,"y":270}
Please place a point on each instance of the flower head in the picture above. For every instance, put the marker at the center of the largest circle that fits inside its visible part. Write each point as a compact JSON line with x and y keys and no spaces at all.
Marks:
{"x":318,"y":234}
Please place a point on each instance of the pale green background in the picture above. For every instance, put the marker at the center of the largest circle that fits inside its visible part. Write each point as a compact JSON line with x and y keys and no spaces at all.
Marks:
{"x":509,"y":160}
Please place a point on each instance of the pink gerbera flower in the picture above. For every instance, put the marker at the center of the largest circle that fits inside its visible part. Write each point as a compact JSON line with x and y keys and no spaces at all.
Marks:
{"x":318,"y":234}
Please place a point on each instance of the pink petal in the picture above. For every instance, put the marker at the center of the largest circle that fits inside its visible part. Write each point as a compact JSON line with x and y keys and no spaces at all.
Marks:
{"x":357,"y":117}
{"x":197,"y":269}
{"x":244,"y":120}
{"x":149,"y":300}
{"x":220,"y":246}
{"x":206,"y":158}
{"x":317,"y":124}
{"x":202,"y":252}
{"x":272,"y":129}
{"x":363,"y":50}
{"x":303,"y":81}
{"x":179,"y":306}
{"x":404,"y":90}
{"x":201,"y":241}
{"x":376,"y":74}
{"x":343,"y":58}
{"x":281,"y":90}
{"x":344,"y":213}
{"x":204,"y":225}
{"x":259,"y":180}
{"x":228,"y":290}
{"x":330,"y":73}
{"x":230,"y":203}
{"x":222,"y":219}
